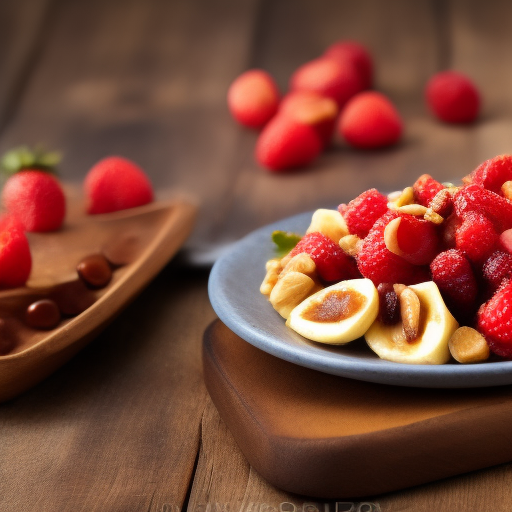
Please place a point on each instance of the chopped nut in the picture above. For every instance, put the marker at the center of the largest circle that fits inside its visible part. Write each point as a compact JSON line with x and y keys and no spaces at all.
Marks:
{"x":290,"y":290}
{"x":413,"y":209}
{"x":432,"y":216}
{"x":467,"y":345}
{"x":300,"y":263}
{"x":405,"y":198}
{"x":351,"y":245}
{"x":441,"y":200}
{"x":506,"y":188}
{"x":410,"y":313}
{"x":273,"y":268}
{"x":391,"y":237}
{"x":399,"y":288}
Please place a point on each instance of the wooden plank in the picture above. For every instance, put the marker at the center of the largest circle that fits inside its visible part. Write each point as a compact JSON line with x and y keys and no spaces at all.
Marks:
{"x":22,"y":35}
{"x":142,"y":79}
{"x":118,"y":427}
{"x":223,"y":479}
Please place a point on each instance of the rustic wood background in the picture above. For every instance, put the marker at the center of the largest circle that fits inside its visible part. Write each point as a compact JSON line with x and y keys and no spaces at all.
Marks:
{"x":147,"y":79}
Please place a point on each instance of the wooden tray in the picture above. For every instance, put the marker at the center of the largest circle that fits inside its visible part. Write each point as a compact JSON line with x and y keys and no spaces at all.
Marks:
{"x":326,"y":436}
{"x":148,"y":236}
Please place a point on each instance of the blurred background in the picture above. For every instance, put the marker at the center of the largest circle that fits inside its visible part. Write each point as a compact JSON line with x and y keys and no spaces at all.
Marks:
{"x":147,"y":79}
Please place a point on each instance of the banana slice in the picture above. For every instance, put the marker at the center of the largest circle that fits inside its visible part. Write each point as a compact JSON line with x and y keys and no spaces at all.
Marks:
{"x":330,"y":223}
{"x":337,"y":314}
{"x":435,"y":330}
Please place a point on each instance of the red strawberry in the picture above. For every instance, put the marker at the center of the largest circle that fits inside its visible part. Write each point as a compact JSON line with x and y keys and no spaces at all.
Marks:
{"x":15,"y":258}
{"x":362,"y":212}
{"x":328,"y":78}
{"x":473,"y":198}
{"x":452,"y":273}
{"x":35,"y":198}
{"x":495,"y":320}
{"x":492,"y":173}
{"x":357,"y":55}
{"x":332,"y":264}
{"x":476,"y":237}
{"x":253,"y":98}
{"x":497,"y":268}
{"x":380,"y":265}
{"x":453,"y":97}
{"x":369,"y":120}
{"x":116,"y":183}
{"x":285,"y":143}
{"x":425,"y":189}
{"x":417,"y":239}
{"x":313,"y":110}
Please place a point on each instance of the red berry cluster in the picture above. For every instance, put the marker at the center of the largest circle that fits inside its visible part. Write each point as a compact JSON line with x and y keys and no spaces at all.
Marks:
{"x":458,"y":237}
{"x":34,"y":201}
{"x":331,"y":94}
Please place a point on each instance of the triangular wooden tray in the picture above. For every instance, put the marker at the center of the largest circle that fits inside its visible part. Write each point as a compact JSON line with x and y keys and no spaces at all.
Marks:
{"x":321,"y":435}
{"x":152,"y":233}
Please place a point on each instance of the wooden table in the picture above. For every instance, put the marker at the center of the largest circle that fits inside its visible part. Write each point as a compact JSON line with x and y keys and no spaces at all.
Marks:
{"x":127,"y":425}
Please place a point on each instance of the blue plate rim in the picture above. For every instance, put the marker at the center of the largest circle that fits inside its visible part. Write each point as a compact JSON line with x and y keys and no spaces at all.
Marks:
{"x":230,"y":310}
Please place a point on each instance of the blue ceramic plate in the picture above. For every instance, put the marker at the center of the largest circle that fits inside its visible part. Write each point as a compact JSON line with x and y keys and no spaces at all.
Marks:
{"x":234,"y":293}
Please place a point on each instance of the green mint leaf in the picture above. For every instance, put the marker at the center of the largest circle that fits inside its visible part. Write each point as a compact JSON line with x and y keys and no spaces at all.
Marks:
{"x":285,"y":241}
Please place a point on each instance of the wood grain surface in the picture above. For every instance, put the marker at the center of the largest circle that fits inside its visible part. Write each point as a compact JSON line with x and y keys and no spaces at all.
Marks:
{"x":127,"y":425}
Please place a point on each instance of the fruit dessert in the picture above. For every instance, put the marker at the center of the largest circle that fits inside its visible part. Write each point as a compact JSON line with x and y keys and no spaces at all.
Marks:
{"x":34,"y":206}
{"x":424,"y":274}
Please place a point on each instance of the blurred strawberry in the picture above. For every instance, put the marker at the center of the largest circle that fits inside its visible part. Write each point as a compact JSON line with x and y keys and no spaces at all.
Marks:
{"x":116,"y":183}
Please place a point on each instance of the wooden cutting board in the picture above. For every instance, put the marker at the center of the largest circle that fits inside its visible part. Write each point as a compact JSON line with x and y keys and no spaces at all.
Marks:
{"x":325,"y":436}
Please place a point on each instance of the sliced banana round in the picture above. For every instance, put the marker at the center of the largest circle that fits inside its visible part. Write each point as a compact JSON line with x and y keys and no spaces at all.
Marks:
{"x":436,"y":326}
{"x":337,"y":314}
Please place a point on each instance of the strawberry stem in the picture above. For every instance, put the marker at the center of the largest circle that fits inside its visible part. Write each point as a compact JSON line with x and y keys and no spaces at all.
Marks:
{"x":24,"y":157}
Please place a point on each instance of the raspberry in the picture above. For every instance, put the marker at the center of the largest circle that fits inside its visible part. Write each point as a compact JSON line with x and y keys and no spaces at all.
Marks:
{"x":417,"y":239}
{"x":15,"y":258}
{"x":313,"y":110}
{"x":328,"y":78}
{"x":369,"y":120}
{"x":362,"y":212}
{"x":473,"y":198}
{"x":253,"y":98}
{"x":452,"y":97}
{"x":285,"y":143}
{"x":356,"y":54}
{"x":476,"y":237}
{"x":332,"y":264}
{"x":495,"y":320}
{"x":116,"y":183}
{"x":497,"y":268}
{"x":492,"y":173}
{"x":425,"y":188}
{"x":36,"y":199}
{"x":449,"y":229}
{"x":380,"y":265}
{"x":452,"y":273}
